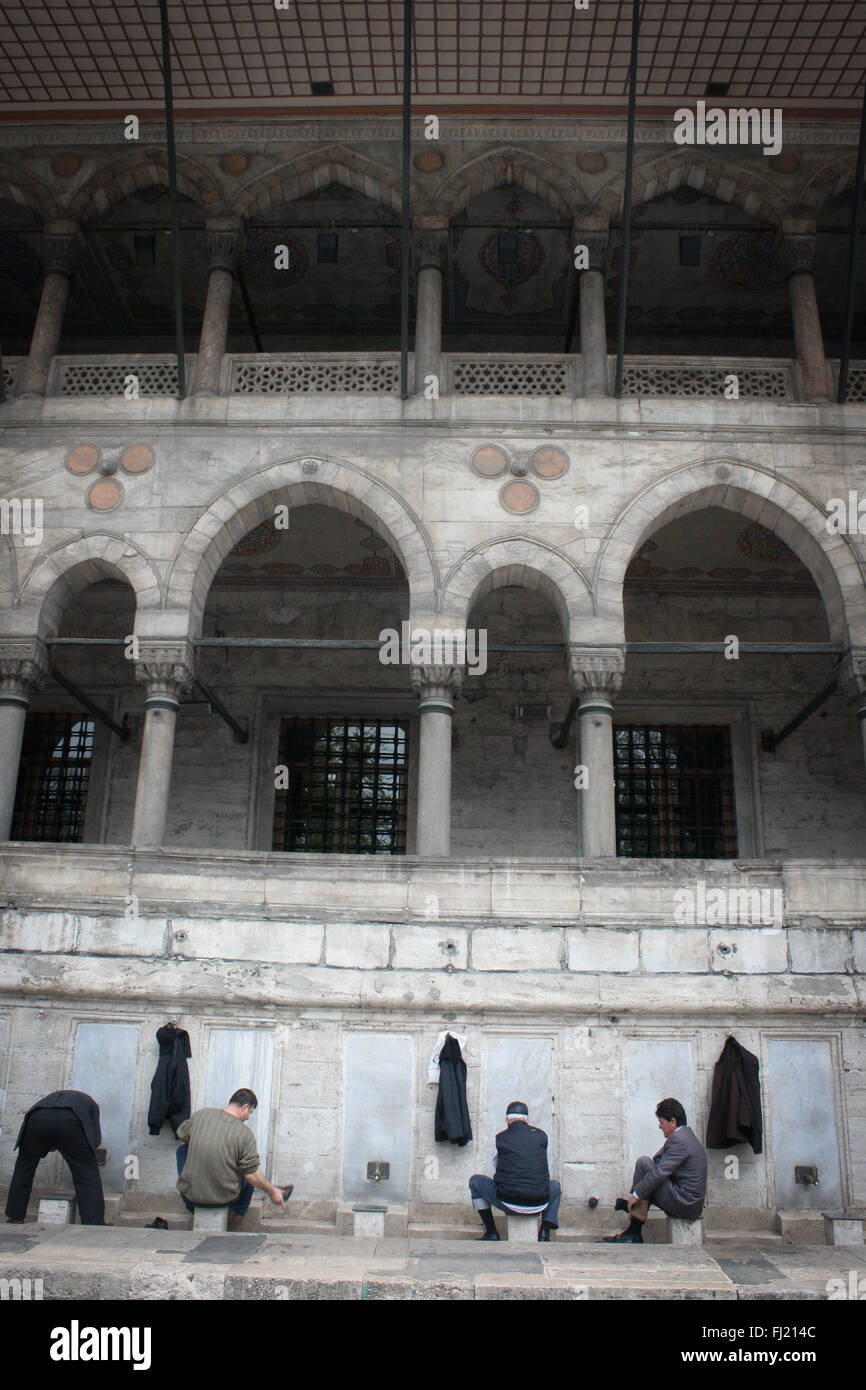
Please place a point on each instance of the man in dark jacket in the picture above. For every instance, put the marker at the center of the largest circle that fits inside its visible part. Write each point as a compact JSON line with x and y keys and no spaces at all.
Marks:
{"x":67,"y":1121}
{"x":675,"y":1178}
{"x":522,"y":1183}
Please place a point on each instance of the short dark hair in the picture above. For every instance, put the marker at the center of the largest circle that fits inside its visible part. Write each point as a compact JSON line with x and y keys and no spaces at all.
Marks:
{"x":244,"y":1097}
{"x":670,"y":1109}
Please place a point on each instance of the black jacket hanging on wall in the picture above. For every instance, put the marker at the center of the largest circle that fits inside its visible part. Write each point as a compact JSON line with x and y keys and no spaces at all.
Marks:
{"x":169,"y":1090}
{"x":735,"y":1109}
{"x":452,"y":1111}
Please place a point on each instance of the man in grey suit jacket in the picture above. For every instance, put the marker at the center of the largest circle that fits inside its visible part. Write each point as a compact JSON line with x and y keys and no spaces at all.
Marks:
{"x":675,"y":1178}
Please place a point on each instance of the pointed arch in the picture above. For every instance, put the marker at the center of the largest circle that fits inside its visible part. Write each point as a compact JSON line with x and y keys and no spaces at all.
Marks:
{"x":334,"y":483}
{"x":519,"y":560}
{"x":64,"y":569}
{"x":136,"y":169}
{"x":332,"y":163}
{"x":833,"y":178}
{"x":723,"y":178}
{"x":511,"y":164}
{"x":756,"y":493}
{"x":19,"y":185}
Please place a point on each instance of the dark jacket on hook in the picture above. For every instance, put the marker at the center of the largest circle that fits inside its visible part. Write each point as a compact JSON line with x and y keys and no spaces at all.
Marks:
{"x":169,"y":1090}
{"x":452,"y":1111}
{"x":735,"y":1109}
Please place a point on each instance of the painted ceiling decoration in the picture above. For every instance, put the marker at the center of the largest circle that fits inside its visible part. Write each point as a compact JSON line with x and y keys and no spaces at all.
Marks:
{"x":321,"y":546}
{"x":712,"y":550}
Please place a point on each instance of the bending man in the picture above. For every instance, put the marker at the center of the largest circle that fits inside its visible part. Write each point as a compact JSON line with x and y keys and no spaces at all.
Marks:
{"x":218,"y":1161}
{"x":67,"y":1121}
{"x":675,"y":1178}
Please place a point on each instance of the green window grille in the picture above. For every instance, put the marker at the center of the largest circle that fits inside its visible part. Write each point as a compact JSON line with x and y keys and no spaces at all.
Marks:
{"x":51,"y":797}
{"x":674,"y":791}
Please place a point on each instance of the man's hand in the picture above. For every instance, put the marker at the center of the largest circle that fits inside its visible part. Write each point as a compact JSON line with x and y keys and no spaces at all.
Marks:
{"x":632,"y":1203}
{"x":276,"y":1197}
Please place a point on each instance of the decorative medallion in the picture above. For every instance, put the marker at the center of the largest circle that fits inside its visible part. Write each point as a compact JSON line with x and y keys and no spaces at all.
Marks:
{"x":529,"y":254}
{"x":489,"y":461}
{"x":549,"y":462}
{"x":519,"y":497}
{"x":65,"y":165}
{"x":428,"y":161}
{"x":82,"y":459}
{"x":257,"y":541}
{"x":762,"y":544}
{"x":105,"y":495}
{"x":748,"y":261}
{"x":591,"y":163}
{"x":785,"y":163}
{"x":137,"y":458}
{"x":235,"y":163}
{"x":260,"y":256}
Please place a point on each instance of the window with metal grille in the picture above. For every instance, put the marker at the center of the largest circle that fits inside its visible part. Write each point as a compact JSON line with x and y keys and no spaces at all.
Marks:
{"x":56,"y":755}
{"x":347,"y":783}
{"x":674,"y":791}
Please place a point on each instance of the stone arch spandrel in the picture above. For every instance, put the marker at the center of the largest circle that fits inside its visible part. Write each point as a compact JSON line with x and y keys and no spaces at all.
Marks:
{"x":20,"y":185}
{"x":334,"y":483}
{"x":111,"y":183}
{"x":333,"y":163}
{"x":759,"y":495}
{"x":723,"y":179}
{"x":518,"y":560}
{"x":826,"y":183}
{"x":529,"y":170}
{"x":61,"y":572}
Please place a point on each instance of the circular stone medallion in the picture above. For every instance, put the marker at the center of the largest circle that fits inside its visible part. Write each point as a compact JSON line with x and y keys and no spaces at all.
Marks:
{"x":82,"y":459}
{"x":519,"y":497}
{"x":65,"y":165}
{"x":428,"y":161}
{"x":137,"y":458}
{"x":548,"y":462}
{"x":489,"y":461}
{"x":591,"y":163}
{"x":105,"y":495}
{"x":235,"y":163}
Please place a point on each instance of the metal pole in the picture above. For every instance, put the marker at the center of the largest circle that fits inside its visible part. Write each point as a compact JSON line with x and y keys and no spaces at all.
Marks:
{"x":626,"y":208}
{"x":407,"y":132}
{"x":172,"y":194}
{"x":248,"y":306}
{"x":89,"y":705}
{"x":852,"y":257}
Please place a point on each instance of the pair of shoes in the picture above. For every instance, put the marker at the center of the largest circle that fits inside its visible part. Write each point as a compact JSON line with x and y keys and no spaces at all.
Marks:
{"x":14,"y":1220}
{"x":544,"y":1233}
{"x":287,"y":1191}
{"x":159,"y":1223}
{"x":490,"y":1235}
{"x":624,"y":1238}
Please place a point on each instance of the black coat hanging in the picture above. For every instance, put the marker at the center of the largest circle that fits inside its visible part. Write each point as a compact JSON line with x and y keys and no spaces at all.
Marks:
{"x":735,"y":1108}
{"x":169,"y":1090}
{"x":452,"y":1111}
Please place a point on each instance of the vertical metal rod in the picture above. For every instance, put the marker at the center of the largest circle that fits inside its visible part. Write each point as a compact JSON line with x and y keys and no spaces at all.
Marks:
{"x":572,"y":312}
{"x":852,"y":257}
{"x":407,"y":131}
{"x":626,"y":207}
{"x":172,"y":194}
{"x":248,"y":306}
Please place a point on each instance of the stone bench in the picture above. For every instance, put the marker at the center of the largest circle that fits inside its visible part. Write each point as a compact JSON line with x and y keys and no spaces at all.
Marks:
{"x":368,"y":1221}
{"x":210,"y":1219}
{"x":521,"y":1227}
{"x":842,"y":1228}
{"x":685,"y":1231}
{"x":58,"y":1210}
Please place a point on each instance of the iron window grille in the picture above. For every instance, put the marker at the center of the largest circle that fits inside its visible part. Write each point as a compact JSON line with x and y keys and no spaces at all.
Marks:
{"x":674,"y":791}
{"x":347,"y":787}
{"x":53,"y":778}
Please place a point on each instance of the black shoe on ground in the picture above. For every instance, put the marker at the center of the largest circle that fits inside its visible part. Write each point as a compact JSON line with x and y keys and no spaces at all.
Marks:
{"x":624,"y":1238}
{"x":489,"y":1235}
{"x":159,"y":1223}
{"x":544,"y":1232}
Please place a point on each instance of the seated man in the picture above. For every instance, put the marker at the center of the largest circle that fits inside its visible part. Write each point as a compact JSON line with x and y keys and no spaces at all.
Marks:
{"x":67,"y":1121}
{"x":218,"y":1162}
{"x":522,"y":1183}
{"x":675,"y":1178}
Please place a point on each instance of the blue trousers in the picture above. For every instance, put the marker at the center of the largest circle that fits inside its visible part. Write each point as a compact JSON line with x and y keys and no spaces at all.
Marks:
{"x":240,"y":1203}
{"x":484,"y":1195}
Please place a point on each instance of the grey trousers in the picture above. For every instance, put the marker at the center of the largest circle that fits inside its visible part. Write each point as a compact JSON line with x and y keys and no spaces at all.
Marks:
{"x":484,"y":1195}
{"x":665,"y":1195}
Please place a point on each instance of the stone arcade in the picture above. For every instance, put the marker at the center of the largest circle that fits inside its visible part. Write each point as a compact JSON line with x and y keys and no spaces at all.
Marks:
{"x":430,"y":858}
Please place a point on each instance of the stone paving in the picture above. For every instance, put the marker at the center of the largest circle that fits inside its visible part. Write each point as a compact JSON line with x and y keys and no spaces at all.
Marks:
{"x":81,"y":1262}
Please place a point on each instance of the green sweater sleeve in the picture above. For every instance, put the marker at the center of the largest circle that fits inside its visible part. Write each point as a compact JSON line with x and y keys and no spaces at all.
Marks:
{"x":248,"y":1156}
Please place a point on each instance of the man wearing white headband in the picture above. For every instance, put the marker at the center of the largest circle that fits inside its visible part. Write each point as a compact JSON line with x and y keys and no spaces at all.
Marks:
{"x":522,"y":1183}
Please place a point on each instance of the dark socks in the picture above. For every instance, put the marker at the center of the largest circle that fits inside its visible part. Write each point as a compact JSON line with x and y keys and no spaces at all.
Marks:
{"x":486,"y":1215}
{"x":635,"y":1226}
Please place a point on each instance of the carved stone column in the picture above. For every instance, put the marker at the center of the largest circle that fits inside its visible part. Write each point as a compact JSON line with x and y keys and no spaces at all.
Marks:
{"x":223,"y":241}
{"x":798,"y":254}
{"x":852,"y":679}
{"x":436,"y":687}
{"x":23,"y":665}
{"x":596,"y":678}
{"x":166,"y":669}
{"x":431,"y":242}
{"x":591,"y":229}
{"x":61,"y":247}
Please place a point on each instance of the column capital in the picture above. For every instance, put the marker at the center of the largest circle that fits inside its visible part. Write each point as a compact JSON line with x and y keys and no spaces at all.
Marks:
{"x":437,"y":683}
{"x":430,"y":234}
{"x":595,"y":672}
{"x":167,"y":669}
{"x":591,"y":228}
{"x":852,"y":673}
{"x":797,"y":246}
{"x":23,"y":666}
{"x":61,"y":245}
{"x":224,"y":237}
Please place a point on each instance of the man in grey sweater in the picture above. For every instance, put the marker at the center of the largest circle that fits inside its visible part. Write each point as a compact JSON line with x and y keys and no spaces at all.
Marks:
{"x":675,"y":1178}
{"x":218,"y":1161}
